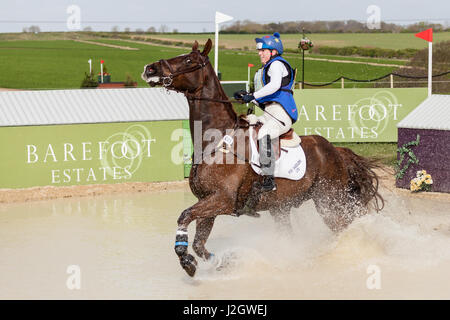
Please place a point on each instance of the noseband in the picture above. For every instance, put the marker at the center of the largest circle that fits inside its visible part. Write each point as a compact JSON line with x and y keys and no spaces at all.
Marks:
{"x":167,"y":80}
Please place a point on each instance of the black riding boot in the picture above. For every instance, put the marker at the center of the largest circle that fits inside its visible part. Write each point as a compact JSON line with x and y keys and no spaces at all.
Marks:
{"x":267,"y":160}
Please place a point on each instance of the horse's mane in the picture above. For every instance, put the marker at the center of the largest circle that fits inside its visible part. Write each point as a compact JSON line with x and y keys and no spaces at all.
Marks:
{"x":222,"y":93}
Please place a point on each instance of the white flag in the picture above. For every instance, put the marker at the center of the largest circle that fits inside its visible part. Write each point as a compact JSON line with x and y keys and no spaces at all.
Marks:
{"x":221,"y":17}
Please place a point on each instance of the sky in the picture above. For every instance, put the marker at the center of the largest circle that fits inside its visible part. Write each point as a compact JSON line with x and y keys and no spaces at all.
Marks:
{"x":198,"y":15}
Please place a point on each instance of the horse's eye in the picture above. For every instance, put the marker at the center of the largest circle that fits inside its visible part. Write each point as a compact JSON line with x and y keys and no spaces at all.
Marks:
{"x":188,"y":61}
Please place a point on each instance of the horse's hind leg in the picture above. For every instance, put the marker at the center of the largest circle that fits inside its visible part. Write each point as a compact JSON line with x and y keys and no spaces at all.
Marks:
{"x":334,"y":214}
{"x":202,"y":232}
{"x":282,"y":219}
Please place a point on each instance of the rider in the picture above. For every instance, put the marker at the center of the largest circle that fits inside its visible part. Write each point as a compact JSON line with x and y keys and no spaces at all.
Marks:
{"x":273,"y":84}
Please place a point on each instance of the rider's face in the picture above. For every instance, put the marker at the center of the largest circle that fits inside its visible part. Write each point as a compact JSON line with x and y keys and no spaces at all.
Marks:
{"x":264,"y":55}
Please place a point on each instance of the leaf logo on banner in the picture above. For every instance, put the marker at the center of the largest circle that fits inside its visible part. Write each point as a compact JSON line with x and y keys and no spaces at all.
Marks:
{"x":374,"y":112}
{"x":126,"y":150}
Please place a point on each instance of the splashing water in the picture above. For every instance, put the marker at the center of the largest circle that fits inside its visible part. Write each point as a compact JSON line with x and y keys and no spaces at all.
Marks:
{"x":124,"y":247}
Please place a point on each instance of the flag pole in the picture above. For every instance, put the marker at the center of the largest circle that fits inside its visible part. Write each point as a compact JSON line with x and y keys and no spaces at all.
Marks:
{"x":430,"y":67}
{"x":220,"y":18}
{"x":216,"y":49}
{"x":428,"y":36}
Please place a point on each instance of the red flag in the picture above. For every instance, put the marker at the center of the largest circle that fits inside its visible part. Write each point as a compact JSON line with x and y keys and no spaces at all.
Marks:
{"x":426,"y":35}
{"x":251,"y":65}
{"x":102,"y":61}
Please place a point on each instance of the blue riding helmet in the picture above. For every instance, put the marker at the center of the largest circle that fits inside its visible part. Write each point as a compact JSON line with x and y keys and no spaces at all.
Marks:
{"x":270,"y":42}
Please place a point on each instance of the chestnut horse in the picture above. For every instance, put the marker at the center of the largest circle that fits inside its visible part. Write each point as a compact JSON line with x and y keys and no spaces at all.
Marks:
{"x":342,"y":184}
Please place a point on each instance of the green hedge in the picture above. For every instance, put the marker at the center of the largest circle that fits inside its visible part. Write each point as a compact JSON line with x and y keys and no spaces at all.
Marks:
{"x":365,"y":52}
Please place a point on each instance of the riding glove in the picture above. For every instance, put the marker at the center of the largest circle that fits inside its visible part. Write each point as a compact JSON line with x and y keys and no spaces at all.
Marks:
{"x":239,"y":94}
{"x":247,"y":98}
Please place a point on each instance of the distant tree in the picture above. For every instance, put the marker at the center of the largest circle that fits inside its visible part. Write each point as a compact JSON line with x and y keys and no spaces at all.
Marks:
{"x":139,"y":31}
{"x":151,"y":30}
{"x":115,"y":29}
{"x":127,"y":30}
{"x":87,"y":29}
{"x":348,"y":26}
{"x":175,"y":31}
{"x":32,"y":29}
{"x":420,"y":26}
{"x":163,"y":29}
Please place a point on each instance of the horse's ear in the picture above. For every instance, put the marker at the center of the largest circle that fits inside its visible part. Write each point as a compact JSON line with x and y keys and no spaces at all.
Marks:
{"x":207,"y":48}
{"x":195,"y":46}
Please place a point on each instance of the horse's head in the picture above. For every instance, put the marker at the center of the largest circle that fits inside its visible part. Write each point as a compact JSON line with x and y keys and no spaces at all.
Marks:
{"x":184,"y":73}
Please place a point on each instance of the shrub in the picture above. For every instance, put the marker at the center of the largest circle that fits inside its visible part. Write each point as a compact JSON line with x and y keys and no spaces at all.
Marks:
{"x":89,"y":80}
{"x":129,"y":82}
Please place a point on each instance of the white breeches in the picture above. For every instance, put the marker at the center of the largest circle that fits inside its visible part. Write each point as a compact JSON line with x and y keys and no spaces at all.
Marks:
{"x":272,"y":126}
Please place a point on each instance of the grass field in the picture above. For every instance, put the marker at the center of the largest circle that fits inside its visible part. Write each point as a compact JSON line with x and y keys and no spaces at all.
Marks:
{"x":58,"y":64}
{"x":385,"y":152}
{"x":378,"y":40}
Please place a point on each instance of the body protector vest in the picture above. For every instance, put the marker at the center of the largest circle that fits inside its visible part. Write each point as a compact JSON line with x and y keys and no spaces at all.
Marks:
{"x":284,"y":95}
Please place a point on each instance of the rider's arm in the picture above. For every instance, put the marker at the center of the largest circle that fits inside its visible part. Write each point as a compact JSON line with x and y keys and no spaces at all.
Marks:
{"x":277,"y":71}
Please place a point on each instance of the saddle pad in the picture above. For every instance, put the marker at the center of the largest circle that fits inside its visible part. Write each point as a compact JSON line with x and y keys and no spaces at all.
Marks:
{"x":291,"y":164}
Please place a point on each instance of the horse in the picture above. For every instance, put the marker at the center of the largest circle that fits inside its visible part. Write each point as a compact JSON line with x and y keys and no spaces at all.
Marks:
{"x":342,"y":184}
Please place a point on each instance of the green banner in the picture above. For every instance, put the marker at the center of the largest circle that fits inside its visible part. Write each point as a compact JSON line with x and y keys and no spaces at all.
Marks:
{"x":354,"y":115}
{"x":63,"y":155}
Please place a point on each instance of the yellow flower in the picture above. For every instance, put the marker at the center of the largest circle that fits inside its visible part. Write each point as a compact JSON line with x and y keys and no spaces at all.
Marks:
{"x":429,"y":181}
{"x":413,"y":185}
{"x":424,"y":172}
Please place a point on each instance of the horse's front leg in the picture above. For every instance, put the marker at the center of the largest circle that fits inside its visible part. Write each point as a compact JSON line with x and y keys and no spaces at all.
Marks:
{"x":208,"y":207}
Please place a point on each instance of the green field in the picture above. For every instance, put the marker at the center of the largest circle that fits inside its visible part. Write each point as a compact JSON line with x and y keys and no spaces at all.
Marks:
{"x":378,"y":40}
{"x":58,"y":64}
{"x":385,"y":152}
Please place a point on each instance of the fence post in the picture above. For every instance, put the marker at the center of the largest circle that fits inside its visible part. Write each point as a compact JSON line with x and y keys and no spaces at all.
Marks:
{"x":342,"y":82}
{"x":392,"y":81}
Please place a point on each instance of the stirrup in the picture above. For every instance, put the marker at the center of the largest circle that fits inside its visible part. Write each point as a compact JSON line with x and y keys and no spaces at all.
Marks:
{"x":268,"y":184}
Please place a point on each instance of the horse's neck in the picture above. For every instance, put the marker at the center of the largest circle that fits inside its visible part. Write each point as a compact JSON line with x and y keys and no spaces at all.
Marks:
{"x":207,"y":115}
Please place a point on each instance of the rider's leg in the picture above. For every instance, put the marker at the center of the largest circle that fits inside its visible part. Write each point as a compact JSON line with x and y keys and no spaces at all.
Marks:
{"x":267,"y":160}
{"x":273,"y":128}
{"x":277,"y":122}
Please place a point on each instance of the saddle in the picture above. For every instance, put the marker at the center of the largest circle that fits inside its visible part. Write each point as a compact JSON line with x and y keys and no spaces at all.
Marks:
{"x":287,"y":140}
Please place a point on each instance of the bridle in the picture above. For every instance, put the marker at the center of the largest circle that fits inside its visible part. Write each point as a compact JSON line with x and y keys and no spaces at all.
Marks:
{"x":167,"y":80}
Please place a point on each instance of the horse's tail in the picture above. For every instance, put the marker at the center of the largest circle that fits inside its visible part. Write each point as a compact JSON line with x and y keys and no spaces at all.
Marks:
{"x":363,"y":180}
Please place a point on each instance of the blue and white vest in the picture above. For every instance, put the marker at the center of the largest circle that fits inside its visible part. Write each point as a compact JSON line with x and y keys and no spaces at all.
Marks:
{"x":284,"y":95}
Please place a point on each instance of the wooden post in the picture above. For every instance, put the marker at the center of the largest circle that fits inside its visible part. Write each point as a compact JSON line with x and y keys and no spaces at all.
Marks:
{"x":342,"y":83}
{"x":392,"y":81}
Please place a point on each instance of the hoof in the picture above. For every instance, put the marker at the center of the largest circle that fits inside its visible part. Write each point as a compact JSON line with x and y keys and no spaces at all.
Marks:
{"x":189,"y":264}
